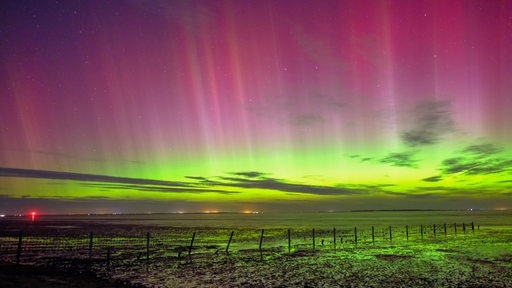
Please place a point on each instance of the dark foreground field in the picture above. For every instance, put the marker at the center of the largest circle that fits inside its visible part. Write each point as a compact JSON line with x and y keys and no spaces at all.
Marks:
{"x":30,"y":276}
{"x":481,"y":261}
{"x":482,"y":258}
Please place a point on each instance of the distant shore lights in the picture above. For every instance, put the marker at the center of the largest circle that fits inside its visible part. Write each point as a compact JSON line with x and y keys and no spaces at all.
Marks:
{"x":251,"y":212}
{"x":33,"y":215}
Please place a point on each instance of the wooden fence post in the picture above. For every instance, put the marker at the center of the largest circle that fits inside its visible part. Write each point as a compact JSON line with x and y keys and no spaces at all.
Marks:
{"x":390,"y":234}
{"x":421,"y":231}
{"x":190,"y":247}
{"x":407,"y":232}
{"x":334,"y":235}
{"x":472,"y":227}
{"x":313,"y":238}
{"x":18,"y":251}
{"x":373,"y":236}
{"x":229,"y":242}
{"x":455,"y":228}
{"x":289,"y":241}
{"x":355,"y":236}
{"x":434,"y":231}
{"x":464,"y":227}
{"x":445,"y":233}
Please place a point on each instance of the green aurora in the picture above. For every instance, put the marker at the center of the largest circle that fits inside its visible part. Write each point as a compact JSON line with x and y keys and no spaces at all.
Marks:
{"x":255,"y":106}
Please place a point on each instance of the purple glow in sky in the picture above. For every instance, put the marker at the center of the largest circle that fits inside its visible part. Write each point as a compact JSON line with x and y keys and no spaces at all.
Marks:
{"x":161,"y":106}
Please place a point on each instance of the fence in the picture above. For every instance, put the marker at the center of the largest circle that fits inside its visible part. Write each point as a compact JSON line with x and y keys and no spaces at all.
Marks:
{"x":187,"y":244}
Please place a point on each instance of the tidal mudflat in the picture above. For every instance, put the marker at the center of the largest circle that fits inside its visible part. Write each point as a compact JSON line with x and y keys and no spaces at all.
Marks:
{"x":406,"y":249}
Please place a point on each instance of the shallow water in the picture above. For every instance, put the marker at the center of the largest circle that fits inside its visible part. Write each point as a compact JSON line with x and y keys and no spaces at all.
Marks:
{"x":296,"y":220}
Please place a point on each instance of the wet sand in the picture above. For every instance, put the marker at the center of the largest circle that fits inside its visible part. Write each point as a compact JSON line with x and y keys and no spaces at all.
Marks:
{"x":479,"y":259}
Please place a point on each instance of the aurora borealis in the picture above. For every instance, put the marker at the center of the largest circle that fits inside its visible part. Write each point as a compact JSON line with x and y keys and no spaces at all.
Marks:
{"x":167,"y":106}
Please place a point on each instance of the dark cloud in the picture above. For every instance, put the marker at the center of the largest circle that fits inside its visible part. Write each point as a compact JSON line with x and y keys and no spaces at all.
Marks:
{"x":250,"y":174}
{"x":199,"y":178}
{"x":477,"y":160}
{"x":45,"y":174}
{"x":119,"y":183}
{"x":491,"y":167}
{"x":456,"y":165}
{"x":283,"y":186}
{"x":162,"y":189}
{"x":360,"y":157}
{"x":418,"y":137}
{"x":483,"y":150}
{"x":243,"y":179}
{"x":433,"y":179}
{"x":400,"y":160}
{"x":432,"y":119}
{"x":379,"y":185}
{"x":203,"y":181}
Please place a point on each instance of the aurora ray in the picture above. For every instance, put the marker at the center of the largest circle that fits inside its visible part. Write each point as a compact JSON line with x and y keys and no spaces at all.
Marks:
{"x":161,"y":106}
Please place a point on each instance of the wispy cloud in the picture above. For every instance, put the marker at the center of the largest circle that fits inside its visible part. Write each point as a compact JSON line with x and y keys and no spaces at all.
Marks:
{"x":483,"y":150}
{"x":432,"y":120}
{"x":202,"y":185}
{"x":433,"y":179}
{"x":259,"y":180}
{"x":450,"y":191}
{"x":477,"y":160}
{"x":403,"y":159}
{"x":45,"y":174}
{"x":360,"y":157}
{"x":472,"y":166}
{"x":305,"y":110}
{"x":242,"y":179}
{"x":162,"y":189}
{"x":250,"y":174}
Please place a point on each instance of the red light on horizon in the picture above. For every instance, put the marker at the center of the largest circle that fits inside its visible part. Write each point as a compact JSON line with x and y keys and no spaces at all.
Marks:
{"x":33,"y":214}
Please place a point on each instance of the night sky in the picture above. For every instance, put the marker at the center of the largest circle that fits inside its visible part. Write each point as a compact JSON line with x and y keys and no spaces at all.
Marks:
{"x":182,"y":106}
